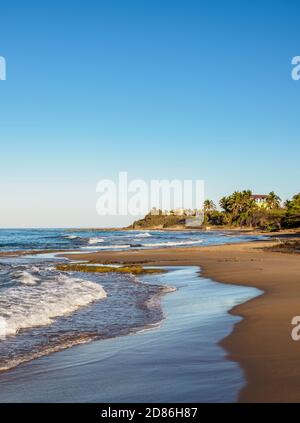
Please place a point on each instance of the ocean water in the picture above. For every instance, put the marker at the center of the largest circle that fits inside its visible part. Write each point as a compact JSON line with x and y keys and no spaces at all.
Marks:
{"x":89,"y":240}
{"x":178,"y":360}
{"x":44,"y":310}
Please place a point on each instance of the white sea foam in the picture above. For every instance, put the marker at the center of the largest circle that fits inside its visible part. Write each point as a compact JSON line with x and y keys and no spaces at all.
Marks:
{"x":39,"y":304}
{"x":71,"y":236}
{"x":143,"y":235}
{"x":172,"y":243}
{"x":95,"y":240}
{"x":32,"y":355}
{"x":109,"y":247}
{"x":25,"y":277}
{"x":155,"y":300}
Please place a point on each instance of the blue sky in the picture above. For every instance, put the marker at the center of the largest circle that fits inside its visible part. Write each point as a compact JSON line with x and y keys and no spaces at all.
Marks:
{"x":161,"y":89}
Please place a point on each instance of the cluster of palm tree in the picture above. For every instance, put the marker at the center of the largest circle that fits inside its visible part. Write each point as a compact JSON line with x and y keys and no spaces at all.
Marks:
{"x":292,"y":216}
{"x":241,"y":209}
{"x":273,"y":201}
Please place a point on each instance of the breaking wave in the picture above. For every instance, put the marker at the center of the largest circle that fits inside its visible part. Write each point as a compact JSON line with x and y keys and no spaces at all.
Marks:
{"x":143,"y":235}
{"x":39,"y":304}
{"x":95,"y":240}
{"x":25,"y":277}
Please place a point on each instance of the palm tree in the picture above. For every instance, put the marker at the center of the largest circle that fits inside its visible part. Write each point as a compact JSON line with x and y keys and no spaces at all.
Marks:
{"x":247,"y":214}
{"x":292,"y":218}
{"x":287,"y":204}
{"x":224,"y":204}
{"x":294,"y":204}
{"x":208,"y":205}
{"x":239,"y":206}
{"x":273,"y":201}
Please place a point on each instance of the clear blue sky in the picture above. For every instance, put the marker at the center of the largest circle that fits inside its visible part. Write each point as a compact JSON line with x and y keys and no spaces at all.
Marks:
{"x":162,"y":89}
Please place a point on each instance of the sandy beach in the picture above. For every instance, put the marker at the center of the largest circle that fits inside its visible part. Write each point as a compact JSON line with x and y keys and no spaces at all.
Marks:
{"x":261,"y":342}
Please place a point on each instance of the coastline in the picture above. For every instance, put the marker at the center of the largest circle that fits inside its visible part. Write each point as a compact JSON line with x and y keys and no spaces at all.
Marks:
{"x":176,"y":362}
{"x":286,"y":234}
{"x":261,"y":342}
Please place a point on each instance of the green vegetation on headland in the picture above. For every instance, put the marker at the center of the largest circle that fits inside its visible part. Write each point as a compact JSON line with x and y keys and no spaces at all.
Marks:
{"x":136,"y":270}
{"x":241,"y":209}
{"x":158,"y":221}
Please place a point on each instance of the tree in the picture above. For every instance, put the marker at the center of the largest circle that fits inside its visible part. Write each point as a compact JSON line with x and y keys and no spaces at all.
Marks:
{"x":292,"y":217}
{"x":211,"y":215}
{"x":239,"y":207}
{"x":294,"y":204}
{"x":208,"y":206}
{"x":217,"y":218}
{"x":273,"y":201}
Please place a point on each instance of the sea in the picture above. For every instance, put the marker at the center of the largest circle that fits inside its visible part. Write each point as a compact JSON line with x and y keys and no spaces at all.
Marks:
{"x":45,"y":311}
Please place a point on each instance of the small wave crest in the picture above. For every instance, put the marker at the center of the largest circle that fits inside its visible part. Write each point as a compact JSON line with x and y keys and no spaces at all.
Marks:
{"x":95,"y":240}
{"x":171,"y":243}
{"x":24,"y":277}
{"x":38,"y":304}
{"x":155,"y":301}
{"x":12,"y":362}
{"x":109,"y":247}
{"x":71,"y":236}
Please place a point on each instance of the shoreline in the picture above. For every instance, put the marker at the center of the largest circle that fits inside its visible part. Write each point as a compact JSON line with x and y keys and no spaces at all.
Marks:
{"x":86,"y":338}
{"x":285,"y":235}
{"x":261,"y":342}
{"x":176,"y":362}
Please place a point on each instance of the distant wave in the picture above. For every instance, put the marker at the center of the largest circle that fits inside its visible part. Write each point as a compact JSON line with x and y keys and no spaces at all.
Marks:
{"x":71,"y":236}
{"x":135,"y":245}
{"x":95,"y":240}
{"x":34,"y":305}
{"x":108,"y":247}
{"x":172,"y":243}
{"x":143,"y":235}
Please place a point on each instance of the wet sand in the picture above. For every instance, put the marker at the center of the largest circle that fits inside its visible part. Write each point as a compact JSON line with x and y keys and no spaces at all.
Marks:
{"x":261,"y":343}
